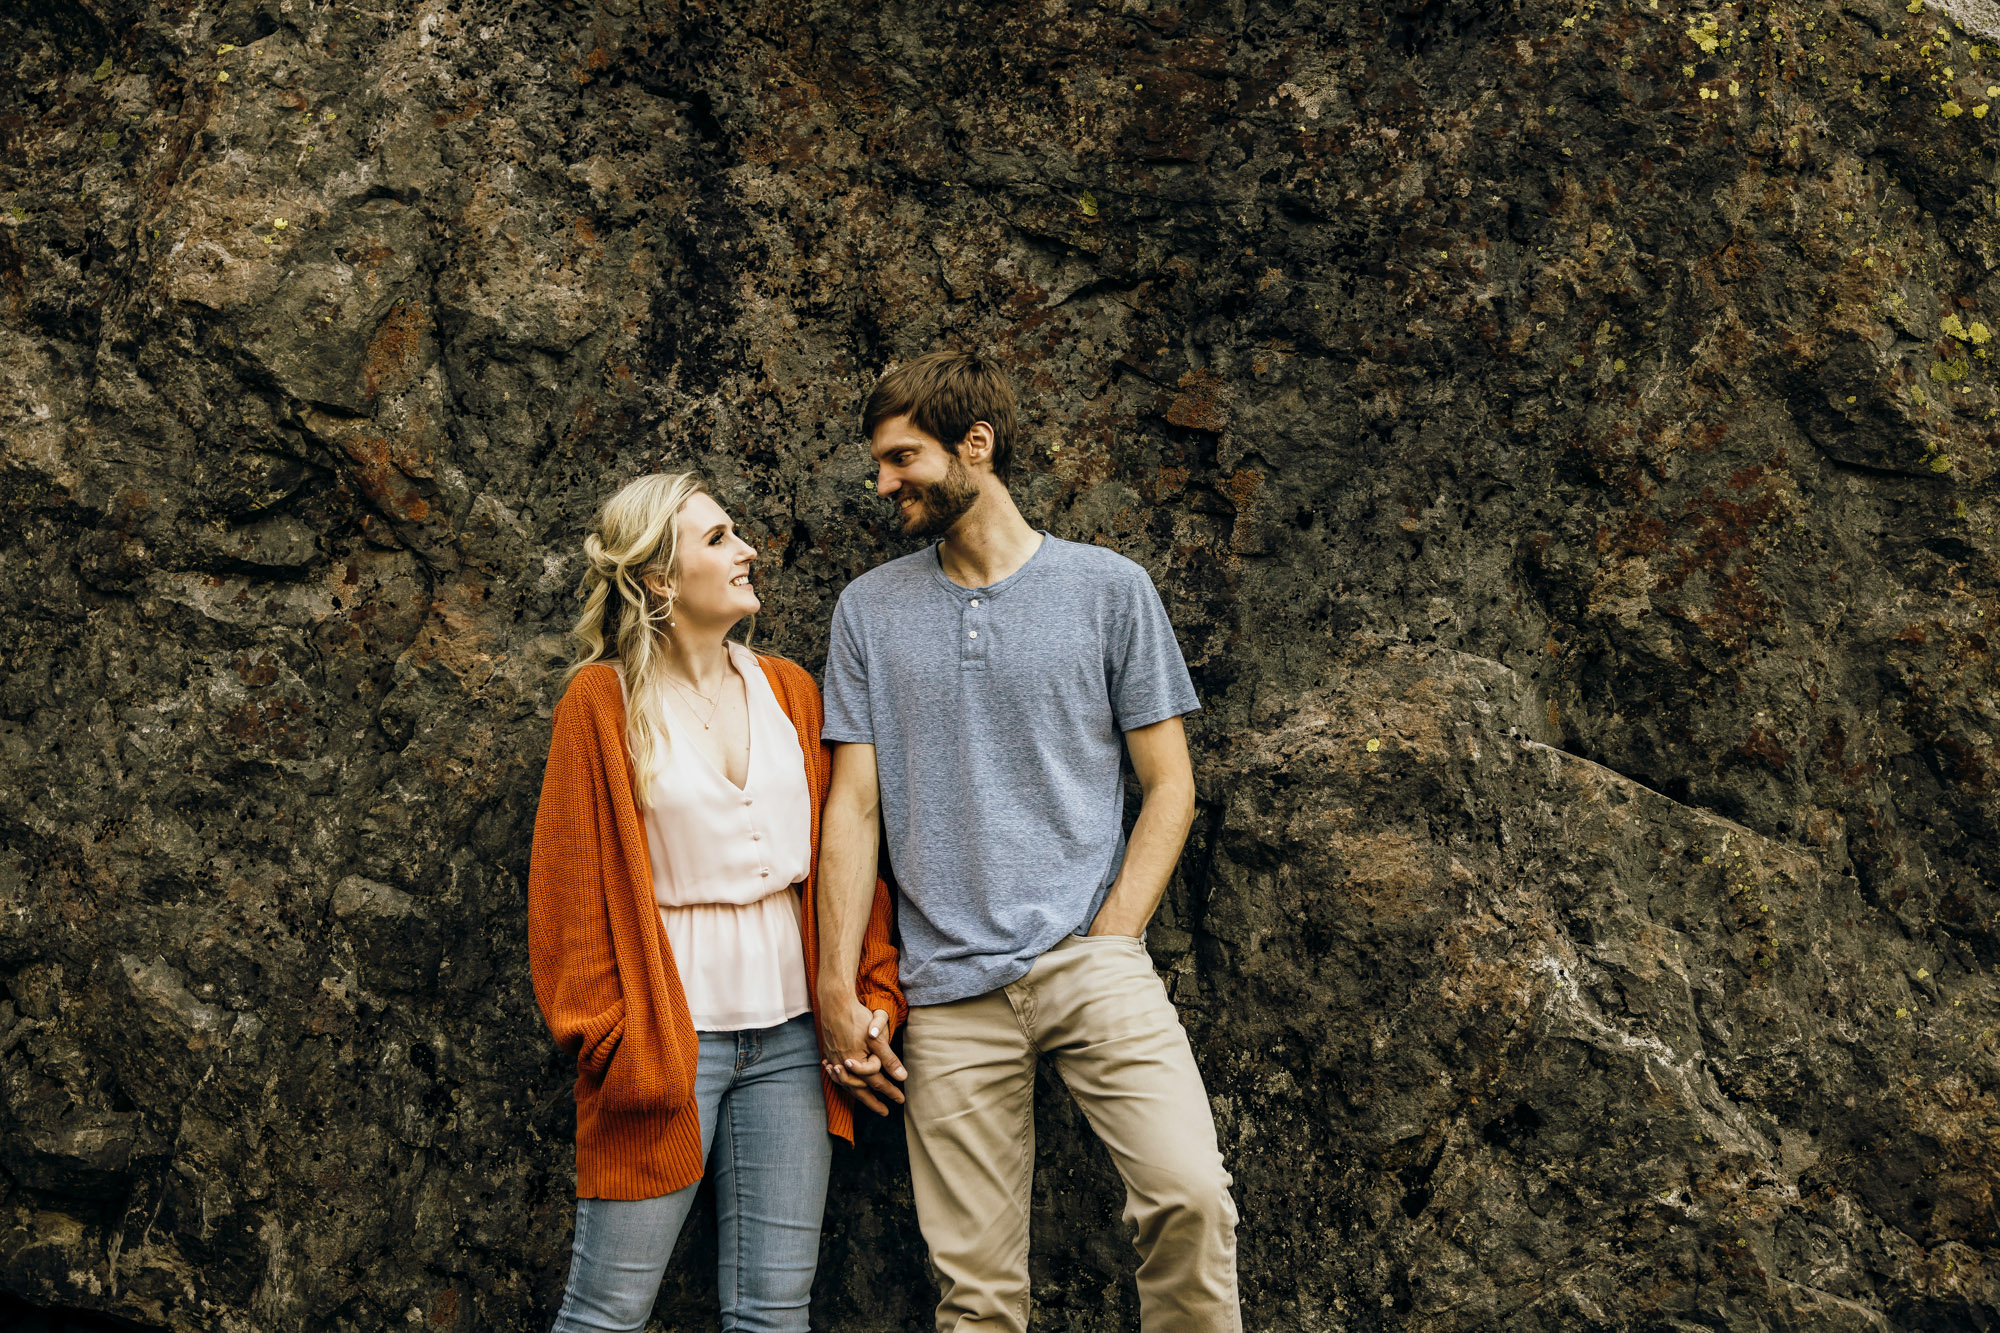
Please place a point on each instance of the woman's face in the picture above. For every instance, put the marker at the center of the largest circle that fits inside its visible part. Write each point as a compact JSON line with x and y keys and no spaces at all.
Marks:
{"x":712,"y":585}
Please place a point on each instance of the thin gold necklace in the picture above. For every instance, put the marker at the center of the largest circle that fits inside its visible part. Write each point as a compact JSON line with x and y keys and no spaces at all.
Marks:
{"x":713,"y":704}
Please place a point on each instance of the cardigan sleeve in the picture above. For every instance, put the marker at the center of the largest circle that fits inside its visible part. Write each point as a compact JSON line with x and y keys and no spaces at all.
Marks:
{"x":570,"y":952}
{"x":878,"y":984}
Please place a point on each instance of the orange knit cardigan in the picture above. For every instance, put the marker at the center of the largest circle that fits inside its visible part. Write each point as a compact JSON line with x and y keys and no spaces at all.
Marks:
{"x":604,"y":973}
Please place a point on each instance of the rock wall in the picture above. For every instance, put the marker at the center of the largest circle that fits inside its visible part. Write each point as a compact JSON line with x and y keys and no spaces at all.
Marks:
{"x":1562,"y":433}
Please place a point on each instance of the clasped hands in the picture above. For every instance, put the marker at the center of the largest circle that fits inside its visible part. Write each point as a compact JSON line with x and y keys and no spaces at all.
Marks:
{"x":854,"y":1039}
{"x":854,"y":1052}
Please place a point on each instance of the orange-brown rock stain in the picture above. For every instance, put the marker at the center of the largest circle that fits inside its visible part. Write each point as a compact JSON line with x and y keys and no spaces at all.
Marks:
{"x":1201,"y":404}
{"x":395,"y":352}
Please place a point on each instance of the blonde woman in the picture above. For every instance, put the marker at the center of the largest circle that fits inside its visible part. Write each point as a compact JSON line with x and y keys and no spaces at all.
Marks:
{"x":671,"y":924}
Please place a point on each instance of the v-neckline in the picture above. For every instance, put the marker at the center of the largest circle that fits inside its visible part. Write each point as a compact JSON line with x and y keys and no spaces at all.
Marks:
{"x":749,"y":731}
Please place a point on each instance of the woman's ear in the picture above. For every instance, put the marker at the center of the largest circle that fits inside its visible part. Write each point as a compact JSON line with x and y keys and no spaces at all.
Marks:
{"x":658,"y":585}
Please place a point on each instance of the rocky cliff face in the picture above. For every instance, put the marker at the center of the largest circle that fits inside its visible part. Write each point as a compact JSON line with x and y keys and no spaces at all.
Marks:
{"x":1562,"y":432}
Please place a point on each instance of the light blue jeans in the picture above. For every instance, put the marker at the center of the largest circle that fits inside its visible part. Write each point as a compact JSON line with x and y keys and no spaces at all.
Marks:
{"x":764,"y":1138}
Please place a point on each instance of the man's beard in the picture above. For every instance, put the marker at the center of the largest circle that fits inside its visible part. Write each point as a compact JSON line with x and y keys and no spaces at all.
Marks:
{"x":944,"y":503}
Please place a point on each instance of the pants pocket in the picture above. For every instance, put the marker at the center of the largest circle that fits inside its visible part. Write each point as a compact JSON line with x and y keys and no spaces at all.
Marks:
{"x":1109,"y":943}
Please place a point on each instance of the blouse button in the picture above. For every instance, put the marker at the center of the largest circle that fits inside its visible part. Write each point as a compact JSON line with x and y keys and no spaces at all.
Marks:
{"x":756,"y":837}
{"x":765,"y":874}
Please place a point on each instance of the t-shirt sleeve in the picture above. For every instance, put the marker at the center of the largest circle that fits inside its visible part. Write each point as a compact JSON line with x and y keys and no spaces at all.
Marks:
{"x":1147,"y":674}
{"x":846,"y":691}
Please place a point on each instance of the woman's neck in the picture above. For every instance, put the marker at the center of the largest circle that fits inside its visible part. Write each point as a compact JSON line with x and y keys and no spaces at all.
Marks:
{"x":701,"y":658}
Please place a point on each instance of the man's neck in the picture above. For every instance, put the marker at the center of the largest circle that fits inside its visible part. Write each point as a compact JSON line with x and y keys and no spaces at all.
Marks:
{"x":990,"y":543}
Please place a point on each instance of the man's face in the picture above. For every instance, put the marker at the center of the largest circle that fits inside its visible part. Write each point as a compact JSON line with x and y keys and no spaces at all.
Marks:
{"x":929,"y":486}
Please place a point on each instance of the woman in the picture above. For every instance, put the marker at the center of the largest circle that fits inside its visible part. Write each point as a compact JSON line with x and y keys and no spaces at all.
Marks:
{"x":672,"y":954}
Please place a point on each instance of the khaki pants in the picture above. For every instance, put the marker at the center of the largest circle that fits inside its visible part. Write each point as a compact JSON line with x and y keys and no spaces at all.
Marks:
{"x":1098,"y":1007}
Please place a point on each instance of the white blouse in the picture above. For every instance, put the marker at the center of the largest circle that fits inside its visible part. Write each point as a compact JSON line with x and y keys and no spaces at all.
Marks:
{"x":725,"y":863}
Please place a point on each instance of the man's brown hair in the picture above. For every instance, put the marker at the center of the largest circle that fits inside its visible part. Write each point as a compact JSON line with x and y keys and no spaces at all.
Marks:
{"x":942,"y":394}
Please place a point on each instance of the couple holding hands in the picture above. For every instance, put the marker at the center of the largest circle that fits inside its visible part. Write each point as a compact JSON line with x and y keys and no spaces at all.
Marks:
{"x":711,"y":940}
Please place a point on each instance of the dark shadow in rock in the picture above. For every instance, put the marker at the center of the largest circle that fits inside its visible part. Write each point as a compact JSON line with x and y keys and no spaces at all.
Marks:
{"x":18,"y":1316}
{"x":1509,"y":1130}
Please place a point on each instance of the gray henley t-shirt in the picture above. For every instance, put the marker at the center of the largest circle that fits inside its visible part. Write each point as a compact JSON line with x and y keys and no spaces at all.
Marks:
{"x":997,"y":715}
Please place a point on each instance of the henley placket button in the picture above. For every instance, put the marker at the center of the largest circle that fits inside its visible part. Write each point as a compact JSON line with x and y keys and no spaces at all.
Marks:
{"x":972,"y":634}
{"x":975,"y":601}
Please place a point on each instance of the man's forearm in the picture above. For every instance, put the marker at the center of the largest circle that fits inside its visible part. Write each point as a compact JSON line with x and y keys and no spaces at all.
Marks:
{"x":846,"y":890}
{"x":1158,"y":835}
{"x":854,"y":1038}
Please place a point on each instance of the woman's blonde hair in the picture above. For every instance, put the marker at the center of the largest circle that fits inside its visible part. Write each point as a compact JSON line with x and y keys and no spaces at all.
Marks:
{"x":636,"y":540}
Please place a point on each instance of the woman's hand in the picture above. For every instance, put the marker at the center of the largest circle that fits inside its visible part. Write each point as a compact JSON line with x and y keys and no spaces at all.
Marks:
{"x":855,"y":1053}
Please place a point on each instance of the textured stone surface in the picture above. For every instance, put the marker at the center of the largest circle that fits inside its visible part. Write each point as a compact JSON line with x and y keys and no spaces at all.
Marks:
{"x":1562,"y":434}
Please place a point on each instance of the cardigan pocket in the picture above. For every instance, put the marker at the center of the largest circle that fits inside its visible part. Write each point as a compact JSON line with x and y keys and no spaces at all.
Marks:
{"x":663,"y":1084}
{"x":600,"y":1041}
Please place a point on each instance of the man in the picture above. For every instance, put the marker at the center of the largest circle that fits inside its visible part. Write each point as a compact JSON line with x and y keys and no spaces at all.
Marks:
{"x":978,"y":692}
